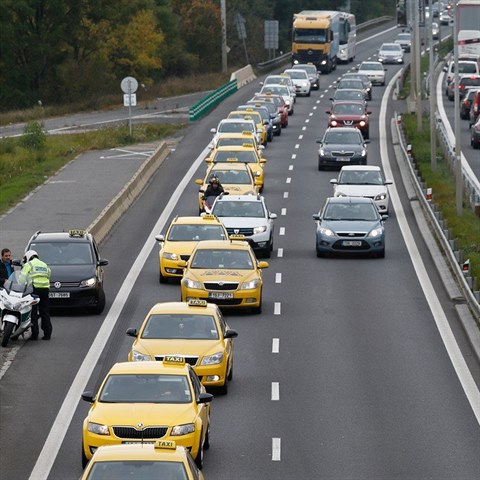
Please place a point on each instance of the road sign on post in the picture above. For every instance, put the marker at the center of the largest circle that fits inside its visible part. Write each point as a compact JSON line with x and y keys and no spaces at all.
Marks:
{"x":129,"y":86}
{"x":242,"y":33}
{"x":271,"y":36}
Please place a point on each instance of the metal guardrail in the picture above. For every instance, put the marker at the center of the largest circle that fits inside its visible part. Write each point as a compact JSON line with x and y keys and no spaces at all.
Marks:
{"x":453,"y":255}
{"x":211,"y":100}
{"x":274,"y":62}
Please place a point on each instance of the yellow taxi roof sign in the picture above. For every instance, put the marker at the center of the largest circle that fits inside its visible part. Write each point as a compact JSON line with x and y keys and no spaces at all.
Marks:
{"x":77,"y":232}
{"x":236,"y":237}
{"x":209,"y":216}
{"x":247,"y":145}
{"x":173,"y":360}
{"x":165,"y":444}
{"x":232,"y":159}
{"x":196,"y":302}
{"x":247,"y":132}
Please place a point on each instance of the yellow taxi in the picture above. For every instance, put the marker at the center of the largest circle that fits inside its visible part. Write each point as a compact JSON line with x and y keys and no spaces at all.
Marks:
{"x":181,"y":237}
{"x":228,"y":139}
{"x":242,"y":153}
{"x":224,"y":272}
{"x":251,"y":114}
{"x":148,"y":401}
{"x":236,"y":178}
{"x":196,"y":331}
{"x":144,"y":461}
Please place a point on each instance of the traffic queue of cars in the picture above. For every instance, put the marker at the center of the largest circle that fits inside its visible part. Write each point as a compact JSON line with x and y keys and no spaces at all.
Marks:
{"x":352,"y":221}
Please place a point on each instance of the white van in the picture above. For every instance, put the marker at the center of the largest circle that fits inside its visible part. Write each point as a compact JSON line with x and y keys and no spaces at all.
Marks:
{"x":464,"y":67}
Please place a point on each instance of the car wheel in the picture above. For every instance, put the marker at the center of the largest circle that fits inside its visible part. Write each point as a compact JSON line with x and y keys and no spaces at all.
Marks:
{"x":279,"y":131}
{"x":98,"y":309}
{"x":367,"y":135}
{"x":320,"y":166}
{"x":383,"y":83}
{"x":230,"y":373}
{"x":381,"y":254}
{"x":224,"y":388}
{"x":258,"y":310}
{"x":320,"y":254}
{"x":206,"y":445}
{"x":84,"y":458}
{"x":162,"y":278}
{"x":199,"y":457}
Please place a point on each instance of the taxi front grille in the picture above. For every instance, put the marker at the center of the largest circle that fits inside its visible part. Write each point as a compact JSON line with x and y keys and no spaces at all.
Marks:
{"x":190,"y":360}
{"x":146,"y":433}
{"x":221,"y":285}
{"x":185,"y":257}
{"x":247,"y":232}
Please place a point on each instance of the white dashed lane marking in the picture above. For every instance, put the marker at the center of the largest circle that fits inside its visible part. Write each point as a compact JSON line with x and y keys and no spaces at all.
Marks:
{"x":276,"y":449}
{"x":277,"y":308}
{"x":294,"y":156}
{"x":281,"y":231}
{"x":278,"y":278}
{"x":280,"y":253}
{"x":275,"y":345}
{"x":300,"y":137}
{"x":297,"y":146}
{"x":275,"y":391}
{"x":284,"y":211}
{"x":290,"y":167}
{"x":285,"y":194}
{"x":289,"y":180}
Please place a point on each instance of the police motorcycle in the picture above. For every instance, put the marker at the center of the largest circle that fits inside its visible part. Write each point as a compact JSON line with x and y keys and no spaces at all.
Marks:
{"x":16,"y":301}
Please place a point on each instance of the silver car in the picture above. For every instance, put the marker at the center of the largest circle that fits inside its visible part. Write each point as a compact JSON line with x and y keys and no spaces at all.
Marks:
{"x":249,"y":216}
{"x":375,"y":71}
{"x":363,"y":181}
{"x":405,"y":41}
{"x":390,"y":53}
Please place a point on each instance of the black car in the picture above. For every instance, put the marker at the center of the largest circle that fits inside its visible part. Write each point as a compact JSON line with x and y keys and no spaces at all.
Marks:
{"x":367,"y":83}
{"x":77,"y":268}
{"x":342,"y":146}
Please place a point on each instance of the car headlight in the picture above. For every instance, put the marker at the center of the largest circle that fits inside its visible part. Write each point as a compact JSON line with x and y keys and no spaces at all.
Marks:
{"x":287,"y":102}
{"x":376,"y":232}
{"x":333,"y":123}
{"x":362,"y":123}
{"x":324,"y":62}
{"x":260,"y":229}
{"x":140,"y":357}
{"x":183,"y":429}
{"x":89,"y":282}
{"x":189,"y":283}
{"x":250,"y":285}
{"x":321,"y":152}
{"x":98,"y":429}
{"x":363,"y":153}
{"x":214,"y":359}
{"x":340,"y":194}
{"x":170,"y":256}
{"x":381,"y":196}
{"x":327,"y":232}
{"x":304,"y":84}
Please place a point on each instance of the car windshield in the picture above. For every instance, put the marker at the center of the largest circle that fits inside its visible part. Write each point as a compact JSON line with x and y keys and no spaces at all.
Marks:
{"x":298,"y":74}
{"x":235,"y":127}
{"x":238,"y":209}
{"x":195,"y":233}
{"x":244,"y":156}
{"x":64,"y":253}
{"x":343,"y":138}
{"x":262,"y":111}
{"x":348,"y":109}
{"x":360,"y":177}
{"x":237,"y":177}
{"x":270,"y":106}
{"x":139,"y":469}
{"x":391,"y":48}
{"x":371,"y":66}
{"x":276,"y":80}
{"x":346,"y":94}
{"x":466,"y":68}
{"x":404,"y":36}
{"x":222,"y":259}
{"x":145,"y":388}
{"x":310,"y":69}
{"x":310,"y":35}
{"x":170,"y":326}
{"x":230,"y":142}
{"x":278,"y":89}
{"x":351,"y":211}
{"x":246,"y":116}
{"x":355,"y":84}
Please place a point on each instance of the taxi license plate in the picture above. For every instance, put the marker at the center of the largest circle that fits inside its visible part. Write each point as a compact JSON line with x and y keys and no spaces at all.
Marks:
{"x":220,"y":295}
{"x":135,"y":443}
{"x":352,"y":243}
{"x":59,"y":295}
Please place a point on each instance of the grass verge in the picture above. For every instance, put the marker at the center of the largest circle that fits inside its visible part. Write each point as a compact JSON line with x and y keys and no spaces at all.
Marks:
{"x":23,"y":167}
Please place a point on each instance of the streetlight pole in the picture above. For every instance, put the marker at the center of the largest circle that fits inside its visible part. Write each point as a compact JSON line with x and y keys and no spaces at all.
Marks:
{"x":432,"y":94}
{"x":458,"y":148}
{"x":223,"y":19}
{"x":418,"y":69}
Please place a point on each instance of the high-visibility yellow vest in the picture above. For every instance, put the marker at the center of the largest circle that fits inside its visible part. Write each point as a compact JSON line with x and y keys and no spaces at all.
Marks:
{"x":38,"y":272}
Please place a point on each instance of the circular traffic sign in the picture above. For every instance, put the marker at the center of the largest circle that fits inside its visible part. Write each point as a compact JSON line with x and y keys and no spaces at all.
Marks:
{"x":129,"y":85}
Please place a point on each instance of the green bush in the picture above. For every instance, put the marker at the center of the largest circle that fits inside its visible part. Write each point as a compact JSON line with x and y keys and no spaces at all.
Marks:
{"x":34,"y":136}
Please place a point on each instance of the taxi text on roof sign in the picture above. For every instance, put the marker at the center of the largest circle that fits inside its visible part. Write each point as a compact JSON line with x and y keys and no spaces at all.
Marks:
{"x":196,"y":302}
{"x":209,"y":216}
{"x":237,"y":237}
{"x":165,"y":444}
{"x":77,"y":232}
{"x":173,"y":360}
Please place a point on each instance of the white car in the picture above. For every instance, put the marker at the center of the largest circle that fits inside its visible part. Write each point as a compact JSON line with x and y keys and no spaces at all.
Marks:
{"x":390,"y":53}
{"x":363,"y":181}
{"x":312,"y":73}
{"x":249,"y":216}
{"x":280,"y":80}
{"x":375,"y":71}
{"x":235,"y":125}
{"x":445,"y":18}
{"x":465,"y":67}
{"x":283,"y":91}
{"x":301,"y":81}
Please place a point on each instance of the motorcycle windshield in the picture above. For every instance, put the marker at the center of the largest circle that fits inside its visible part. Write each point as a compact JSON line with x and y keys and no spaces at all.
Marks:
{"x":17,"y":282}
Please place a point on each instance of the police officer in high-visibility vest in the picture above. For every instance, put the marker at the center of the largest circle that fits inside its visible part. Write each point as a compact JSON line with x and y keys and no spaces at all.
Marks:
{"x":38,"y":273}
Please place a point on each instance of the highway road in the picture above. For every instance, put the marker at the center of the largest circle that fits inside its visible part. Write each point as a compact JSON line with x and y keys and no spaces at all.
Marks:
{"x":366,"y":387}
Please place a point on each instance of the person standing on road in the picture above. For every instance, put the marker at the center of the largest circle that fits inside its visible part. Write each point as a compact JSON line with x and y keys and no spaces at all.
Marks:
{"x":6,"y":267}
{"x":38,"y":273}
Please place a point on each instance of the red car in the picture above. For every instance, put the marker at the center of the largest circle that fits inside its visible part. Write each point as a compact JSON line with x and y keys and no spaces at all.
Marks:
{"x":475,"y":135}
{"x":350,"y":114}
{"x":279,"y":102}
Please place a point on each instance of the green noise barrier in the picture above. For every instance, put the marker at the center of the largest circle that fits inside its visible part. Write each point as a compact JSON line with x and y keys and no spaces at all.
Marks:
{"x":211,"y":100}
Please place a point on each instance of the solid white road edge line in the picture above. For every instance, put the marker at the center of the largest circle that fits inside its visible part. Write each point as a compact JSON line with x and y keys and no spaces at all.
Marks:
{"x":57,"y":433}
{"x":458,"y":362}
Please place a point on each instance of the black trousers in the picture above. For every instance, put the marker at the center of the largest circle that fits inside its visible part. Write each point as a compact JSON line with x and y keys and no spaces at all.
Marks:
{"x":42,"y":310}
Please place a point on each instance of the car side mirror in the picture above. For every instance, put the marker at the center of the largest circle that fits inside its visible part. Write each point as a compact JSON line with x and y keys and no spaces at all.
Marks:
{"x":160,"y":238}
{"x":263,"y":161}
{"x":198,"y":181}
{"x":181,"y":264}
{"x":262,"y":264}
{"x":209,"y":160}
{"x":369,"y":112}
{"x":384,"y":218}
{"x":205,"y":398}
{"x":366,"y":141}
{"x":132,"y":332}
{"x":231,"y":334}
{"x":388,"y":182}
{"x":385,"y":69}
{"x":331,"y":99}
{"x":213,"y":130}
{"x":334,"y":181}
{"x":88,"y":396}
{"x":102,"y":262}
{"x":328,"y":111}
{"x":316,"y":216}
{"x":444,"y":69}
{"x":272,"y":216}
{"x":319,"y":141}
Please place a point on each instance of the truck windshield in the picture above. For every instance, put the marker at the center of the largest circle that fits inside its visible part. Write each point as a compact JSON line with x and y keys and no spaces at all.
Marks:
{"x":310,"y":35}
